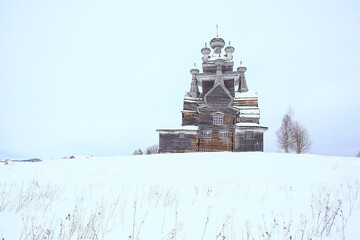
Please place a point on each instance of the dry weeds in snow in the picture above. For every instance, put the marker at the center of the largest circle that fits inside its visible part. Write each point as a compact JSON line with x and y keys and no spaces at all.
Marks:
{"x":225,"y":203}
{"x":330,"y":210}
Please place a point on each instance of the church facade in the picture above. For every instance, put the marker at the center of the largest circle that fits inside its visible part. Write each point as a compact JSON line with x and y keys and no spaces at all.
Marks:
{"x":223,"y":116}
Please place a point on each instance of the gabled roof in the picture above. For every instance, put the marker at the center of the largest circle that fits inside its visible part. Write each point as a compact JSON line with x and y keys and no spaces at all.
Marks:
{"x":220,"y":84}
{"x":216,"y":85}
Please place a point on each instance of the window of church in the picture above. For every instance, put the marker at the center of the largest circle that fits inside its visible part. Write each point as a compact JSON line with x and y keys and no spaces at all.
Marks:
{"x":224,"y":135}
{"x":249,"y":135}
{"x":206,"y":134}
{"x":181,"y":135}
{"x":218,"y":120}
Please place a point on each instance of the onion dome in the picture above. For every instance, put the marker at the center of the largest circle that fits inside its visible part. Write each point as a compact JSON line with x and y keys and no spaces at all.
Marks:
{"x":241,"y":68}
{"x":194,"y":71}
{"x":230,"y":49}
{"x":205,"y":51}
{"x":217,"y":44}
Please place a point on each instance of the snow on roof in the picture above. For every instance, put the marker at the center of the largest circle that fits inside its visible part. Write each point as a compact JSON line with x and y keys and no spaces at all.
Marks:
{"x":246,"y":107}
{"x":253,"y":111}
{"x":247,"y":124}
{"x":191,"y":98}
{"x":250,"y":113}
{"x":188,"y":129}
{"x":248,"y":94}
{"x":252,"y":126}
{"x":190,"y":101}
{"x":213,"y":58}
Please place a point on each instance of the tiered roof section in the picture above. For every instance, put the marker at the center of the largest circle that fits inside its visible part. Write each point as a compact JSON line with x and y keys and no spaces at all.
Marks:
{"x":218,"y":69}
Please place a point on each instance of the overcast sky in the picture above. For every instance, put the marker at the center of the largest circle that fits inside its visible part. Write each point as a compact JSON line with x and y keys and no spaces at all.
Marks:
{"x":99,"y":77}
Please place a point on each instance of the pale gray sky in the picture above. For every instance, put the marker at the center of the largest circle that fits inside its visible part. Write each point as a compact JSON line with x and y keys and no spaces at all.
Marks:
{"x":98,"y":77}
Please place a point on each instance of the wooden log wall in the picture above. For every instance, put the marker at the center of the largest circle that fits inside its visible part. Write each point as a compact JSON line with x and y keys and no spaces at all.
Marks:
{"x":216,"y":144}
{"x":248,"y":145}
{"x":190,"y":119}
{"x":246,"y":102}
{"x":174,"y":143}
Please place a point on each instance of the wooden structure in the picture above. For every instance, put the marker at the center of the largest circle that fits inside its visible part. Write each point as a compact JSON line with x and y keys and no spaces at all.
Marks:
{"x":224,"y":116}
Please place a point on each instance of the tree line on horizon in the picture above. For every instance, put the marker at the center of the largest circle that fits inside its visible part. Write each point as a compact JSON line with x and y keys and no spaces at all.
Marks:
{"x":153,"y":149}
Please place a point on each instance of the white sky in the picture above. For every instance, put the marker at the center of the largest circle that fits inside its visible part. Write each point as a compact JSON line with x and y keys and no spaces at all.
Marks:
{"x":98,"y":77}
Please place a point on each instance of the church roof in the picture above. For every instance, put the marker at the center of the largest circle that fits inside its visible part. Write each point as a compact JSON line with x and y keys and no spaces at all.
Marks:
{"x":250,"y":126}
{"x":248,"y":94}
{"x":188,"y":129}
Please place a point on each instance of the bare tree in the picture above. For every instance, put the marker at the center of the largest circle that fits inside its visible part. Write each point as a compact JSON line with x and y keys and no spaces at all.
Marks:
{"x":301,"y":138}
{"x":285,"y":132}
{"x":152,"y":149}
{"x":138,"y":152}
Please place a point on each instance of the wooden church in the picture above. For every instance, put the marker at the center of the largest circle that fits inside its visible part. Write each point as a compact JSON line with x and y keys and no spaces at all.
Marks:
{"x":223,"y":116}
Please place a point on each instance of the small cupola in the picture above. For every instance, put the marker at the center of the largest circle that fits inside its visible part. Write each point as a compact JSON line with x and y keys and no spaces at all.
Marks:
{"x":242,"y":81}
{"x":205,"y":51}
{"x":194,"y":90}
{"x":241,"y":68}
{"x":229,"y":51}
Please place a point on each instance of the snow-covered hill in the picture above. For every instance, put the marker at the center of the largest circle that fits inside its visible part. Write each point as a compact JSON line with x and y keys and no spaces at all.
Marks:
{"x":182,"y":196}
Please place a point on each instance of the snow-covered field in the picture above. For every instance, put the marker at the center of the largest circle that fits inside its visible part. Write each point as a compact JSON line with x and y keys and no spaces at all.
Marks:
{"x":198,"y":196}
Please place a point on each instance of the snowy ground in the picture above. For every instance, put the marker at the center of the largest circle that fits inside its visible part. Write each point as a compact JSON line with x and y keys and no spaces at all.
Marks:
{"x":198,"y":196}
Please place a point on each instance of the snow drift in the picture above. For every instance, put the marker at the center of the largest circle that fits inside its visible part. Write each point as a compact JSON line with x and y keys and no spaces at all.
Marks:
{"x":182,"y":196}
